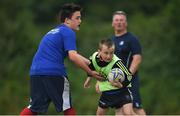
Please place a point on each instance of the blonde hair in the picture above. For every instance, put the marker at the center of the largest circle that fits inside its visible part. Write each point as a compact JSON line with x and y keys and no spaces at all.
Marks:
{"x":119,"y":13}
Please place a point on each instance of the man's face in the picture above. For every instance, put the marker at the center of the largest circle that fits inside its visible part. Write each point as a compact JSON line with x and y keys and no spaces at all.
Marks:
{"x":75,"y":20}
{"x":119,"y":22}
{"x":105,"y":53}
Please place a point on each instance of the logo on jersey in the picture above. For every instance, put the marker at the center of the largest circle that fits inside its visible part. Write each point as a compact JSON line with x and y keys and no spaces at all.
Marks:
{"x":121,"y":43}
{"x":53,"y":31}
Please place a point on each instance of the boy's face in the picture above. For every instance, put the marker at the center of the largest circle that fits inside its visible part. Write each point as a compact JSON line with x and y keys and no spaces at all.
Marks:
{"x":75,"y":21}
{"x":105,"y":53}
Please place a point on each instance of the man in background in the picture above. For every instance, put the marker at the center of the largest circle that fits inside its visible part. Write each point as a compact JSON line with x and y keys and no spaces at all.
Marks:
{"x":128,"y":48}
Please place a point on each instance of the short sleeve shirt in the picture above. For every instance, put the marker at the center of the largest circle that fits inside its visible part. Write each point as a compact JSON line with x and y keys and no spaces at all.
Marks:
{"x":126,"y":46}
{"x":53,"y":49}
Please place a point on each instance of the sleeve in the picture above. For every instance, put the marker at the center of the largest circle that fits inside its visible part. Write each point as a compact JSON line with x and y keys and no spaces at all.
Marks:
{"x":91,"y":66}
{"x":69,"y":39}
{"x":126,"y":82}
{"x":135,"y":46}
{"x":116,"y":64}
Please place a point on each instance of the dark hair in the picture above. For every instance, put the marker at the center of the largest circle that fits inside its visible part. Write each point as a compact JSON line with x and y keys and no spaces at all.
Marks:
{"x":107,"y":42}
{"x":67,"y":10}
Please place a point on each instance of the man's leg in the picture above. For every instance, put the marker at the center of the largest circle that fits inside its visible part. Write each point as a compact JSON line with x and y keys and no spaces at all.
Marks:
{"x":137,"y":105}
{"x":70,"y":111}
{"x":27,"y":111}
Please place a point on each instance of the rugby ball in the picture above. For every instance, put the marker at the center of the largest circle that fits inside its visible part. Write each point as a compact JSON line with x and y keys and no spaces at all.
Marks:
{"x":116,"y":74}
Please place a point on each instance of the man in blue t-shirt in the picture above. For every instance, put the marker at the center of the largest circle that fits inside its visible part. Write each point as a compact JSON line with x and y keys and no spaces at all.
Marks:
{"x":128,"y":49}
{"x":49,"y":82}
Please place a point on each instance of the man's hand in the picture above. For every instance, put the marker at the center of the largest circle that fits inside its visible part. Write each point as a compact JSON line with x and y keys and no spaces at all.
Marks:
{"x":97,"y":76}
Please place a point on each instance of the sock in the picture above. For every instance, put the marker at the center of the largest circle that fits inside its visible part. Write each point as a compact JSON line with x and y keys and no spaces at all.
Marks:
{"x":70,"y":111}
{"x":27,"y":111}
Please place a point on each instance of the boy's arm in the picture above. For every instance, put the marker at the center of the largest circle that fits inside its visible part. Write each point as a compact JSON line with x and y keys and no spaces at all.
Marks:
{"x":97,"y":87}
{"x":89,"y":78}
{"x":87,"y":82}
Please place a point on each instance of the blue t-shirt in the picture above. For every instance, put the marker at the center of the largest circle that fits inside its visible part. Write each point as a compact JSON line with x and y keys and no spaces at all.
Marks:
{"x":127,"y":45}
{"x":53,"y":49}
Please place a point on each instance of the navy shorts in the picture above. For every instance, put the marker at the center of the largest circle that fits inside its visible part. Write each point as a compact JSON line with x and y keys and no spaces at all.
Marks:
{"x":115,"y":98}
{"x":46,"y":89}
{"x":135,"y":92}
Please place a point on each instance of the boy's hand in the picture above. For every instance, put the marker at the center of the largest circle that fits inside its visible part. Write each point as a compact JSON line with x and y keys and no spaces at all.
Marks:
{"x":87,"y":83}
{"x":119,"y":84}
{"x":116,"y":83}
{"x":97,"y":88}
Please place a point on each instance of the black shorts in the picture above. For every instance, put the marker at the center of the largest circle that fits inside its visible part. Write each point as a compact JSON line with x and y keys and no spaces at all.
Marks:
{"x":115,"y":98}
{"x":135,"y":92}
{"x":45,"y":89}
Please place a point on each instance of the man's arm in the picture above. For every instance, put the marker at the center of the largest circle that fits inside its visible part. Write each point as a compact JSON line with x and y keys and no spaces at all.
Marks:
{"x":87,"y":61}
{"x":135,"y":63}
{"x":82,"y":62}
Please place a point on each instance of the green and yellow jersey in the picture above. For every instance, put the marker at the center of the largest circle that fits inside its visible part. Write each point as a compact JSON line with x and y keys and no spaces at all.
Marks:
{"x":105,"y":67}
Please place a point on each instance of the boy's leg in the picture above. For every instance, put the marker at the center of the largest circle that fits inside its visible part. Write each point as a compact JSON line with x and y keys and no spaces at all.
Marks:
{"x":139,"y":111}
{"x":125,"y":105}
{"x":128,"y":109}
{"x":101,"y":111}
{"x":59,"y":92}
{"x":39,"y":101}
{"x":119,"y":111}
